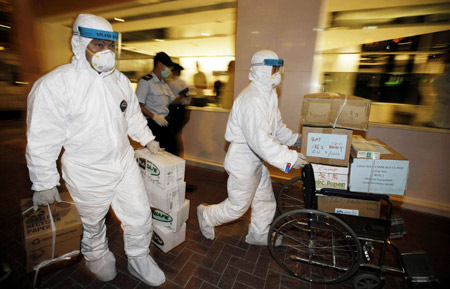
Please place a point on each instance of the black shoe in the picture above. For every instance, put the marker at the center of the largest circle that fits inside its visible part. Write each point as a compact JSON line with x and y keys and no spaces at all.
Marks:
{"x":190,"y":188}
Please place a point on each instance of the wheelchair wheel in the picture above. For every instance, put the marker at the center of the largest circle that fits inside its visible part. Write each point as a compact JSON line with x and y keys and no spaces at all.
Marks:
{"x":290,"y":196}
{"x":367,"y":281}
{"x":314,"y":246}
{"x":298,"y":193}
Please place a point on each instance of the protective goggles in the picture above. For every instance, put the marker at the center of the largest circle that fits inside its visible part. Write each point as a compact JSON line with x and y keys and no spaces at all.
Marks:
{"x":98,"y":34}
{"x":271,"y":62}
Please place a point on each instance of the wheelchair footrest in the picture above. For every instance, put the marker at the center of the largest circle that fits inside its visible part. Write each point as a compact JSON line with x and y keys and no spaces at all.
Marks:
{"x":418,"y":267}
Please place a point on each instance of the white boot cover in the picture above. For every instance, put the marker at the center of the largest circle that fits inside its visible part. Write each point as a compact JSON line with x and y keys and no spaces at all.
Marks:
{"x":146,"y":270}
{"x":256,"y":239}
{"x":206,"y":229}
{"x":104,"y":268}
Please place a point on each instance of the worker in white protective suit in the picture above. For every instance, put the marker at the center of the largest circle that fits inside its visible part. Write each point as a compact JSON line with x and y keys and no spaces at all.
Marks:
{"x":256,"y":133}
{"x":89,"y":108}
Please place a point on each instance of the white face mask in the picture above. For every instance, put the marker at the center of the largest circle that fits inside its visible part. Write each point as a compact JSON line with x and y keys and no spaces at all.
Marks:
{"x":103,"y":61}
{"x":276,"y":79}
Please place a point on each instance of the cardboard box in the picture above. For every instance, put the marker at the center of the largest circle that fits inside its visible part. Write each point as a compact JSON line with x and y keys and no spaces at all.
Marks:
{"x":361,"y":148}
{"x":172,"y":221}
{"x":165,"y":239}
{"x":326,"y":108}
{"x":163,"y":168}
{"x":330,"y":176}
{"x":326,"y":145}
{"x":349,"y":206}
{"x":37,"y":230}
{"x":169,"y":199}
{"x":387,"y":175}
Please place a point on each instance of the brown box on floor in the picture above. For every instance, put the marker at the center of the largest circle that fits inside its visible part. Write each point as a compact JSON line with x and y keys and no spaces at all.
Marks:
{"x":326,"y":145}
{"x":349,"y":206}
{"x":329,"y":108}
{"x":38,"y":236}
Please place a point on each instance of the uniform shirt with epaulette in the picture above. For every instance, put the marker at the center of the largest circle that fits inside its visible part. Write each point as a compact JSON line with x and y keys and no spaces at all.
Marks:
{"x":154,"y":94}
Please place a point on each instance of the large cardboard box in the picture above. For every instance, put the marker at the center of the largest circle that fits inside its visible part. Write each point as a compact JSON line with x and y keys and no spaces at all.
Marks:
{"x":387,"y":175}
{"x":37,"y":230}
{"x":326,"y":145}
{"x":165,"y":239}
{"x":330,"y":176}
{"x":169,"y":199}
{"x":172,"y":221}
{"x":349,"y":206}
{"x":163,"y":168}
{"x":331,"y":109}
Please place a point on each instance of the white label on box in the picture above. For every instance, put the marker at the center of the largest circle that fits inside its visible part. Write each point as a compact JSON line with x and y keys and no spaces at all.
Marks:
{"x":379,"y":176}
{"x":324,"y":145}
{"x":346,"y":211}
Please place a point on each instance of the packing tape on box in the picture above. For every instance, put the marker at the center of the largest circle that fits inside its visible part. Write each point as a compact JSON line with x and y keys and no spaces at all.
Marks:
{"x":52,"y":224}
{"x":371,"y":173}
{"x":340,"y":111}
{"x":66,"y":256}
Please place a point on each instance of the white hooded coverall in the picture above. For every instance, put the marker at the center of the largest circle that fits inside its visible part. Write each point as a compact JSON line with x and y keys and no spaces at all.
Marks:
{"x":256,"y":133}
{"x":91,"y":115}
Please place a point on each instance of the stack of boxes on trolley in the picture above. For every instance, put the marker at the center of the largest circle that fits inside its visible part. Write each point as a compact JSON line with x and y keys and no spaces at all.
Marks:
{"x":332,"y":128}
{"x":163,"y":175}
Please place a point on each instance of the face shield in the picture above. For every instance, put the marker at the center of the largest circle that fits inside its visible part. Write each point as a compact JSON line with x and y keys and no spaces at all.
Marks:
{"x":102,"y":61}
{"x":277,"y":64}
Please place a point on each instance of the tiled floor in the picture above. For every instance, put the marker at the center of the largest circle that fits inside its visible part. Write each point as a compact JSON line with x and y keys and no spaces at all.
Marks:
{"x":227,"y":262}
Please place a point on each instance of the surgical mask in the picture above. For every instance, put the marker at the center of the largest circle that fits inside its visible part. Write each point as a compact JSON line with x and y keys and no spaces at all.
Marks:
{"x":103,"y":61}
{"x":165,"y":72}
{"x":276,"y":79}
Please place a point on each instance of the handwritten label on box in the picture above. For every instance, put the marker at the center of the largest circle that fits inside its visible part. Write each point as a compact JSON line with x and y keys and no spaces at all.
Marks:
{"x":325,"y":145}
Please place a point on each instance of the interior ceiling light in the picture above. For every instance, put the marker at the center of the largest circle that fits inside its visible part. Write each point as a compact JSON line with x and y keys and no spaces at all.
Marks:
{"x":119,"y":19}
{"x":5,"y":26}
{"x":159,"y":40}
{"x":206,"y":34}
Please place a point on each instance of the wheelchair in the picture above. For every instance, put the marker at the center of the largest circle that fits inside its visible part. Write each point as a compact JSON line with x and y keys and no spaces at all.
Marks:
{"x":328,"y":248}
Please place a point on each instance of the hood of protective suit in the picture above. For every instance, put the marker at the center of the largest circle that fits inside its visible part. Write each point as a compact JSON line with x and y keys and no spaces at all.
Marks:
{"x":261,"y":75}
{"x":79,"y":43}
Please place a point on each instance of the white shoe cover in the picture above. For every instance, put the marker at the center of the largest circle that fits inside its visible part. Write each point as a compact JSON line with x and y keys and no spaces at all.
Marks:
{"x":261,"y":239}
{"x":206,"y":229}
{"x":256,"y":239}
{"x":146,"y":270}
{"x":104,"y":268}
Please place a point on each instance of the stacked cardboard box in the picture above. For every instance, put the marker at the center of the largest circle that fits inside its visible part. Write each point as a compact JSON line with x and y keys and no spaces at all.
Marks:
{"x":40,"y":241}
{"x":342,"y":158}
{"x":386,"y":175}
{"x":330,"y":176}
{"x":328,"y":121}
{"x":163,"y":175}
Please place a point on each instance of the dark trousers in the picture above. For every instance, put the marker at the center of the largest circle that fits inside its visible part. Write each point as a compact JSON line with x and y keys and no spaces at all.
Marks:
{"x":165,"y":135}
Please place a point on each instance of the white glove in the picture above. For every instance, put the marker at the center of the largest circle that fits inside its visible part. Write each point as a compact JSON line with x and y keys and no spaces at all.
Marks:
{"x":160,"y":120}
{"x":298,"y":142}
{"x":45,"y":197}
{"x":153,"y":146}
{"x":300,"y":162}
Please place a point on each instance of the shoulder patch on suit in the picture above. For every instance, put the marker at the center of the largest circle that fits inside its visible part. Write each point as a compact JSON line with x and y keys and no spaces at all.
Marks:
{"x":147,"y":77}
